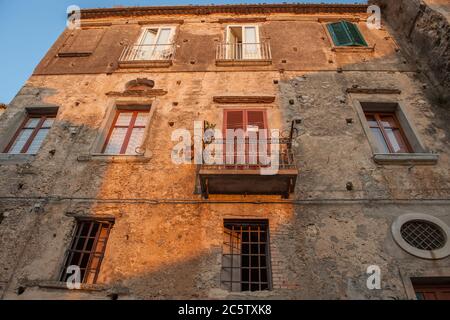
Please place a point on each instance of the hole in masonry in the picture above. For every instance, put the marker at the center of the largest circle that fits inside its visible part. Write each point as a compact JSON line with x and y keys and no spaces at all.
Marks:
{"x":114,"y":296}
{"x":20,"y":290}
{"x":349,"y":186}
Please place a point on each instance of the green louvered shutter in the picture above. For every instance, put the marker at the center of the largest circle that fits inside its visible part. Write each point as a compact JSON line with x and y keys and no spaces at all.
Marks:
{"x":358,"y":39}
{"x":339,"y":34}
{"x":345,"y":33}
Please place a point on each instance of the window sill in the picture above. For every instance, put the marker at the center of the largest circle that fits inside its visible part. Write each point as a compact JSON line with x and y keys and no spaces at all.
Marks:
{"x":113,"y":158}
{"x":73,"y":54}
{"x":233,"y":63}
{"x":145,"y":64}
{"x":6,"y":158}
{"x":406,"y":158}
{"x":49,"y":284}
{"x":353,"y":49}
{"x":59,"y":285}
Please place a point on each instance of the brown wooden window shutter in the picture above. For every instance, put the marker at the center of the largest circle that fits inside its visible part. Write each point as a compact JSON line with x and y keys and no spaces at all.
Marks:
{"x":242,"y":119}
{"x":256,"y":118}
{"x":234,"y":119}
{"x":81,"y":43}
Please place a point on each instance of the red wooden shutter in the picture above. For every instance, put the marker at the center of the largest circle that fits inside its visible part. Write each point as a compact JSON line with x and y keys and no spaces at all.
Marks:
{"x":256,"y":118}
{"x":234,"y":119}
{"x":249,"y":121}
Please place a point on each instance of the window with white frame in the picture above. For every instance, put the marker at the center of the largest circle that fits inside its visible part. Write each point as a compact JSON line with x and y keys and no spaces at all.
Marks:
{"x":242,"y":42}
{"x":155,"y":43}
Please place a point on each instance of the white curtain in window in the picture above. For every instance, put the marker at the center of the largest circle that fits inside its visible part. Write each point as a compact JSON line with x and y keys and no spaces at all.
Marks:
{"x":156,"y":44}
{"x":163,"y":44}
{"x":250,"y":43}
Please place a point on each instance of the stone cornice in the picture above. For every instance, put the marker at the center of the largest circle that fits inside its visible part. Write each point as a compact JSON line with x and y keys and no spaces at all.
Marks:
{"x":224,"y":9}
{"x":243,"y":99}
{"x":374,"y":90}
{"x":138,"y":93}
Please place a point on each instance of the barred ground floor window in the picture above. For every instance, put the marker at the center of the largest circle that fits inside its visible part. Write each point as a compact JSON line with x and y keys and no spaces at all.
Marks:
{"x":246,"y":256}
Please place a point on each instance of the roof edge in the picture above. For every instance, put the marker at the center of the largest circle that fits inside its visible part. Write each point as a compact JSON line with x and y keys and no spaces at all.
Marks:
{"x":297,"y":8}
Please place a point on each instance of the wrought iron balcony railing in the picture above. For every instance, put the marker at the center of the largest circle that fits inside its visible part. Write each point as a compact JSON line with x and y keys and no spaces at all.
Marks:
{"x":241,"y":169}
{"x":243,"y":51}
{"x":248,"y":154}
{"x":154,"y":52}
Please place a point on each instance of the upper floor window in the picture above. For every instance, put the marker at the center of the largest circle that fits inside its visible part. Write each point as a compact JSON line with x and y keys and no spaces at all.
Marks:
{"x":127,"y":132}
{"x":87,"y":250}
{"x":81,"y":42}
{"x":243,"y":42}
{"x":386,"y":130}
{"x":345,"y":33}
{"x":155,"y":43}
{"x":31,"y":134}
{"x":249,"y":122}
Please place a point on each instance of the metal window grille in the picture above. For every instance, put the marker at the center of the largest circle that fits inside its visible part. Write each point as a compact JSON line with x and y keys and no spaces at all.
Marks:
{"x":87,"y":249}
{"x":246,"y":259}
{"x":423,"y":235}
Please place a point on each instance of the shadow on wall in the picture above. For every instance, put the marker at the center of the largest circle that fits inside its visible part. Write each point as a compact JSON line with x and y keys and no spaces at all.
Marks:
{"x":169,"y":256}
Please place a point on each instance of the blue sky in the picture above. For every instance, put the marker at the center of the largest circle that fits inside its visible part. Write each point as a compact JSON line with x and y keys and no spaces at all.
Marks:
{"x":29,"y":27}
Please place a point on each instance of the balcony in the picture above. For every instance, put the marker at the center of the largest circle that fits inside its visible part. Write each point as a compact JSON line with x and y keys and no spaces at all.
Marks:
{"x":145,"y":56}
{"x":245,"y":176}
{"x":241,"y":54}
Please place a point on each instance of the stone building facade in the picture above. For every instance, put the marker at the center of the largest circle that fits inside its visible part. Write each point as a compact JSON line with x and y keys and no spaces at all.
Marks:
{"x":88,"y":177}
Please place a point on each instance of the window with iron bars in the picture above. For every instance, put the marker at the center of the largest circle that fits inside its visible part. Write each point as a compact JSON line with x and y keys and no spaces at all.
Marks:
{"x":87,"y":249}
{"x":246,"y":258}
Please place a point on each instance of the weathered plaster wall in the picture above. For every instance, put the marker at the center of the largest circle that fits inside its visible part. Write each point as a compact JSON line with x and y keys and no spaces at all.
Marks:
{"x":166,"y":241}
{"x":297,"y":43}
{"x":423,"y":29}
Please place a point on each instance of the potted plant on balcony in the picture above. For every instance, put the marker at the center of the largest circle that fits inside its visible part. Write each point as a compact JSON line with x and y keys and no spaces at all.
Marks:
{"x":208,"y":139}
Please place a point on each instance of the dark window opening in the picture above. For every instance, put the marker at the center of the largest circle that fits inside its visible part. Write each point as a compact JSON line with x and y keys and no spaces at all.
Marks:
{"x":437,"y":288}
{"x":246,"y":259}
{"x":87,"y":249}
